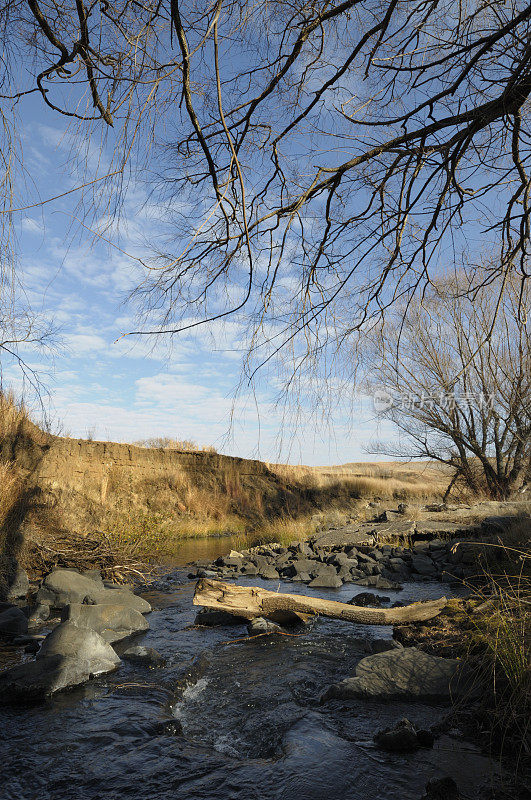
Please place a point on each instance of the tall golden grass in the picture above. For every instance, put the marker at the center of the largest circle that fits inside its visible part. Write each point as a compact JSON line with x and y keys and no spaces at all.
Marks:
{"x":498,"y":638}
{"x":369,"y":480}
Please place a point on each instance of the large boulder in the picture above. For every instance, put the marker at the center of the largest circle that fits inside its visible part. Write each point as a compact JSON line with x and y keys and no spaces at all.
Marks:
{"x":13,"y":622}
{"x":406,"y":674}
{"x":69,"y":656}
{"x":64,"y":586}
{"x":111,"y":620}
{"x":326,"y":581}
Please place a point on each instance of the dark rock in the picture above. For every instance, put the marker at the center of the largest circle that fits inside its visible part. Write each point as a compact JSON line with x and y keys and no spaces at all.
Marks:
{"x":368,"y":600}
{"x":13,"y":622}
{"x":214,"y":618}
{"x":146,"y":656}
{"x":112,"y":621}
{"x":400,"y":739}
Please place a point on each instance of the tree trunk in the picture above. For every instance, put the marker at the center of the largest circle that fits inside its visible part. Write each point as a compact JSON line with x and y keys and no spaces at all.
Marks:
{"x":250,"y":602}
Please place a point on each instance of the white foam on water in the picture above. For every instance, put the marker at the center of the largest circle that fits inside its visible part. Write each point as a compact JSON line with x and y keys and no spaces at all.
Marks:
{"x":189,"y":696}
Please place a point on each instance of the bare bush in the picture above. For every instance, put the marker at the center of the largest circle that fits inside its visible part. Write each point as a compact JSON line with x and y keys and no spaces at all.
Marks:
{"x":458,"y":385}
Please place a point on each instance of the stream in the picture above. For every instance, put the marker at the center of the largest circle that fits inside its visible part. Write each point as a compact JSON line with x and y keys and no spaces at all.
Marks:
{"x":229,"y":718}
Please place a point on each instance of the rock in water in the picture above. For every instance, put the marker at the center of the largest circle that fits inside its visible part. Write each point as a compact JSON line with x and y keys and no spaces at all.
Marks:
{"x":212,"y":618}
{"x":408,"y":674}
{"x":260,"y":625}
{"x":69,"y":656}
{"x":112,"y":621}
{"x":146,"y":656}
{"x":368,"y":599}
{"x":326,"y":581}
{"x":13,"y":622}
{"x":400,"y":739}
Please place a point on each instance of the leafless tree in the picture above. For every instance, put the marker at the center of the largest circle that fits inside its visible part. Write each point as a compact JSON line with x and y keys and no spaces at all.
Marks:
{"x":459,"y":395}
{"x":325,"y":156}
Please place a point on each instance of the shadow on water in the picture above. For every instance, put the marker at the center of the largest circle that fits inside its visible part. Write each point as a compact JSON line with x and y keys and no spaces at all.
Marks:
{"x":228,"y":717}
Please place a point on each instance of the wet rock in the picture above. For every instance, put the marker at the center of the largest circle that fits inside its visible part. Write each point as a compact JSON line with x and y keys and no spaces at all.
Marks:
{"x":38,"y":615}
{"x":384,"y":583}
{"x":13,"y":622}
{"x":260,"y":625}
{"x":400,"y":739}
{"x":84,"y":644}
{"x":326,"y":581}
{"x":69,"y":656}
{"x":112,"y":621}
{"x":442,"y":789}
{"x":213,"y":618}
{"x":147,"y":656}
{"x":19,"y":585}
{"x":406,"y":673}
{"x":368,"y":600}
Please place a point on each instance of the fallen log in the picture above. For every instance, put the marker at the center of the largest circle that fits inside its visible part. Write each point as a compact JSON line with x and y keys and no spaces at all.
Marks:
{"x":251,"y":601}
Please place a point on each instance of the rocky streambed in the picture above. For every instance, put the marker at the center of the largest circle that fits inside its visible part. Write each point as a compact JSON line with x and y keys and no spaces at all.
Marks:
{"x":163,"y":701}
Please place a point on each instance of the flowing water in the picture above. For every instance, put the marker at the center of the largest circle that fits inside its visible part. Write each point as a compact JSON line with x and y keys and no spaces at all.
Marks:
{"x":228,"y":718}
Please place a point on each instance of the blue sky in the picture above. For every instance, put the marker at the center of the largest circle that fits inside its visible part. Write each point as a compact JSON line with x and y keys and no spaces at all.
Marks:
{"x":136,"y":388}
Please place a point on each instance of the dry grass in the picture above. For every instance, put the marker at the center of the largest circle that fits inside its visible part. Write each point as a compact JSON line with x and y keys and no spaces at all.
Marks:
{"x":500,"y":634}
{"x":389,"y":481}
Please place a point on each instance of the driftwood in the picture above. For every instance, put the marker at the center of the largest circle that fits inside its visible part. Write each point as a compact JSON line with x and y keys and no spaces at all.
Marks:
{"x":250,"y":601}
